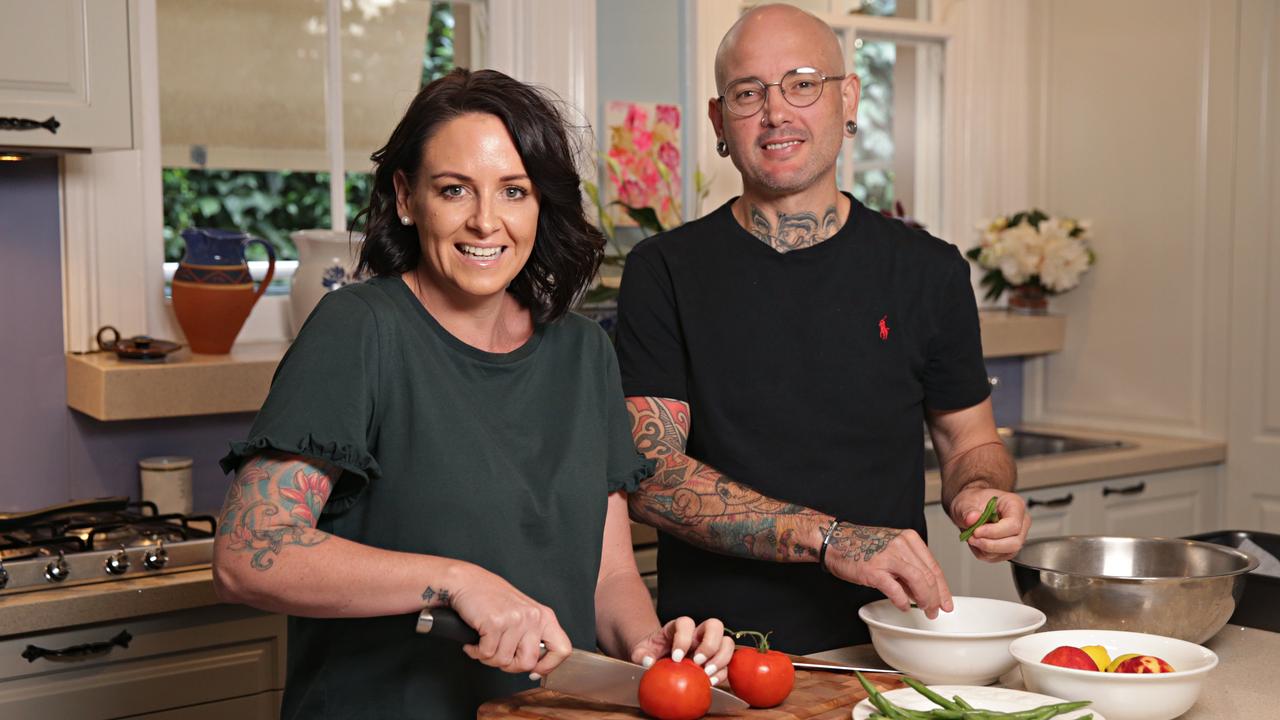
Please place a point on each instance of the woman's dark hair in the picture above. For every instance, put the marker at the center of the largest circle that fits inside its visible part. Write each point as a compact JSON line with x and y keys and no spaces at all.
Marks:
{"x":567,"y":248}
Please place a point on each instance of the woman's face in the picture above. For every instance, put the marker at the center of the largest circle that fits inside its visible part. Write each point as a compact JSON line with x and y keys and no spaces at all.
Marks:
{"x":474,"y":206}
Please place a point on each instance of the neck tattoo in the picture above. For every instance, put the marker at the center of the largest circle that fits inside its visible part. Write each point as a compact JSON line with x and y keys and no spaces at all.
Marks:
{"x":794,"y":231}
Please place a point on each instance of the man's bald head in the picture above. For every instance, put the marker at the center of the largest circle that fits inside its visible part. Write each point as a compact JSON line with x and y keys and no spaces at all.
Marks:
{"x":767,"y":24}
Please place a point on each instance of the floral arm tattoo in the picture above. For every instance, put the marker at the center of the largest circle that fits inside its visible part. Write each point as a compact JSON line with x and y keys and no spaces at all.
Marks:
{"x":274,"y":503}
{"x":696,"y":503}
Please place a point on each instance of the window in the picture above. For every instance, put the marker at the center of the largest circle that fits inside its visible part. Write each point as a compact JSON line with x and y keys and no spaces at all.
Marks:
{"x":897,"y":153}
{"x":244,"y":118}
{"x":113,"y":202}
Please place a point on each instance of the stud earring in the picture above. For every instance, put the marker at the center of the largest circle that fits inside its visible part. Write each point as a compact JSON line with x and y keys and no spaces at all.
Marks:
{"x":404,"y":220}
{"x":722,"y":148}
{"x":851,"y":128}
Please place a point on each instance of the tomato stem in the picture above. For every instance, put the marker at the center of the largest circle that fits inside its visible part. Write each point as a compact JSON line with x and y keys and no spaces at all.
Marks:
{"x":762,"y":639}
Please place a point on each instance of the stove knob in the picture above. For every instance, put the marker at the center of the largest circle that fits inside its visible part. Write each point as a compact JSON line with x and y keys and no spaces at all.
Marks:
{"x":4,"y":575}
{"x":57,"y":571}
{"x":157,"y":557}
{"x":118,"y":563}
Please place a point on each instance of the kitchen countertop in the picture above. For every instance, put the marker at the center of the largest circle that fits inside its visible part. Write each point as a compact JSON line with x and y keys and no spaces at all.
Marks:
{"x":1240,"y":687}
{"x":1145,"y":454}
{"x":30,"y":612}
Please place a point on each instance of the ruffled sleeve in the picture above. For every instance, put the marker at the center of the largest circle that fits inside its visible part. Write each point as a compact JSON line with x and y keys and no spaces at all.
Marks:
{"x":627,"y":467}
{"x":323,"y":398}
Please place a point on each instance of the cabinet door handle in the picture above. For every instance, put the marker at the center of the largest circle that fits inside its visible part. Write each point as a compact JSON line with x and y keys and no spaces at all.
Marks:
{"x":15,"y":123}
{"x":1056,"y":502}
{"x":76,"y":653}
{"x":1131,"y":490}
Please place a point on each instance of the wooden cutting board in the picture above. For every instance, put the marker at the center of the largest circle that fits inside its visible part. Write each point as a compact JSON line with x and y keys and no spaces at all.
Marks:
{"x":817,"y":696}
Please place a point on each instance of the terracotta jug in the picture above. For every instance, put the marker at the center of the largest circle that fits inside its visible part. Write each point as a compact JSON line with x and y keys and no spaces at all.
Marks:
{"x":212,"y":290}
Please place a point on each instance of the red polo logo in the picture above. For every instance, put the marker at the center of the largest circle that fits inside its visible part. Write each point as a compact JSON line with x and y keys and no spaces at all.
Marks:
{"x":884,"y":328}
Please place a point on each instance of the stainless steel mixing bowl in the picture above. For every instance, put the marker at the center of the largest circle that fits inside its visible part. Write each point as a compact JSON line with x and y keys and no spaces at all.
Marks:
{"x":1177,"y":588}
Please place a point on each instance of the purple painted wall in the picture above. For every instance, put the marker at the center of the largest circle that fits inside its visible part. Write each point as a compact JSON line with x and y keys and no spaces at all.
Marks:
{"x":49,"y":453}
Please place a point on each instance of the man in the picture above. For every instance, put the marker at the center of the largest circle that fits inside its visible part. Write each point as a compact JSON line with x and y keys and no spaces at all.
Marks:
{"x":779,"y":355}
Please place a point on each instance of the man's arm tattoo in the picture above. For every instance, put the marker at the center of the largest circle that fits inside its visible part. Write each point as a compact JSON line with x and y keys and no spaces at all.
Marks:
{"x":860,"y":542}
{"x":794,"y":231}
{"x":272,"y":504}
{"x":696,"y":503}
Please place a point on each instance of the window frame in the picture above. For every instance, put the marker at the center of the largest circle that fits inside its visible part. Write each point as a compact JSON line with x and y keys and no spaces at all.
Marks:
{"x":112,"y":202}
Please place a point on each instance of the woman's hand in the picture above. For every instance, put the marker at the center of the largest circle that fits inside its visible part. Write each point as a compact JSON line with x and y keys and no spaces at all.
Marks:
{"x":513,"y":627}
{"x":705,"y":644}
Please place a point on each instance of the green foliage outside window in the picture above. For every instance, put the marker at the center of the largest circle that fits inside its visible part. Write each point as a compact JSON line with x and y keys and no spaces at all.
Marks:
{"x":272,"y":204}
{"x":269,"y":205}
{"x":438,"y":60}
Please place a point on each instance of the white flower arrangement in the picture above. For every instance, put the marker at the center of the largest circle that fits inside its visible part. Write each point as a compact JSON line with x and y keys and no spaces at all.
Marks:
{"x":1032,"y":252}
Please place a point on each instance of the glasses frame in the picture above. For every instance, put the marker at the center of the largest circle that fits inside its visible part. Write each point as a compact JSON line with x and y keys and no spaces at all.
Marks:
{"x":764,"y":89}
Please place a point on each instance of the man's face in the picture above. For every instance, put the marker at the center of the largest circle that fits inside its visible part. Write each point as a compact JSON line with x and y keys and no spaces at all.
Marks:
{"x":782,"y":149}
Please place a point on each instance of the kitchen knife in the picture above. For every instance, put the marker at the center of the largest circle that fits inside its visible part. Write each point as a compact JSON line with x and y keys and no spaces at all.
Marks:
{"x":843,"y":668}
{"x":582,"y":674}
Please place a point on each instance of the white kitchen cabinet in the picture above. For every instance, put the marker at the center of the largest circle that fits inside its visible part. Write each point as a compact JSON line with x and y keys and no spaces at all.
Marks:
{"x":1165,"y":504}
{"x":1169,"y":504}
{"x":67,"y":60}
{"x":189,"y":664}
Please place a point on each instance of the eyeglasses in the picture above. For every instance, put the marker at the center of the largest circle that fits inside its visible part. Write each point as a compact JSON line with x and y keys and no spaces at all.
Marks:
{"x":800,"y":88}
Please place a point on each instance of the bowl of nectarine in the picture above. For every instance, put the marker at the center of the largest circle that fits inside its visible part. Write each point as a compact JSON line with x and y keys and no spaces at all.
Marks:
{"x":1126,"y":675}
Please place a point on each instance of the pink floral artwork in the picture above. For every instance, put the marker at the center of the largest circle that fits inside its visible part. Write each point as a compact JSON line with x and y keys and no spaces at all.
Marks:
{"x":644,"y":147}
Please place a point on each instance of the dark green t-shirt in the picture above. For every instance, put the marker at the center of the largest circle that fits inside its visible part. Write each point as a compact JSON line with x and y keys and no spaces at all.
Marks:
{"x":502,"y":460}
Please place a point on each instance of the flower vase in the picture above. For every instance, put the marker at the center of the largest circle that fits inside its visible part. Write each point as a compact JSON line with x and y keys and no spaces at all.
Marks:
{"x":326,"y":262}
{"x":1028,"y":300}
{"x":212,"y":290}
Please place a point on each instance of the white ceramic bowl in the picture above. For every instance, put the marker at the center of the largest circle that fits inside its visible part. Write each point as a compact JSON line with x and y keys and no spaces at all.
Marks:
{"x":1119,"y":696}
{"x":968,"y":646}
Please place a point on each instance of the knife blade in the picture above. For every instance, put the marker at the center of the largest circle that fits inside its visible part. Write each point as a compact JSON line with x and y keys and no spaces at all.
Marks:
{"x":583,"y":674}
{"x":800,"y":665}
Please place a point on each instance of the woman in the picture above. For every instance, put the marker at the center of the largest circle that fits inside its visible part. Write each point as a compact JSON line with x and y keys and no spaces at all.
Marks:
{"x":448,"y":434}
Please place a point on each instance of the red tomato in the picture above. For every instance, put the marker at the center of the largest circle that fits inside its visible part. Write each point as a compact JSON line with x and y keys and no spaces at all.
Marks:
{"x":675,"y":690}
{"x":762,"y":678}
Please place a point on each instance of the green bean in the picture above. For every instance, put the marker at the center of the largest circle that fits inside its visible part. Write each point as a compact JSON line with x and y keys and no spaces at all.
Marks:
{"x":879,"y":701}
{"x":1060,"y":708}
{"x":988,"y":513}
{"x":934,"y":697}
{"x":961,"y":702}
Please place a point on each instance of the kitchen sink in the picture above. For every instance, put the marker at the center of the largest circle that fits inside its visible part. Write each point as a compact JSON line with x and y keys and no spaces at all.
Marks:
{"x":1026,"y":444}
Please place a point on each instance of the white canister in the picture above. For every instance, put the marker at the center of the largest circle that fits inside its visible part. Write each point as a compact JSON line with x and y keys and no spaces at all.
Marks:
{"x":166,"y":481}
{"x":326,"y":261}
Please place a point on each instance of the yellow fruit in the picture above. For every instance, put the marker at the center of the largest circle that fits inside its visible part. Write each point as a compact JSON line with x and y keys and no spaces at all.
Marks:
{"x":1099,"y":655}
{"x":1116,"y":663}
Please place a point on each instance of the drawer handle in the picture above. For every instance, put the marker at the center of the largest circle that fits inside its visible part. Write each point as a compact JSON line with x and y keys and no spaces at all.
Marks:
{"x":1131,"y":490}
{"x":1056,"y":502}
{"x":14,"y":123}
{"x":76,"y":653}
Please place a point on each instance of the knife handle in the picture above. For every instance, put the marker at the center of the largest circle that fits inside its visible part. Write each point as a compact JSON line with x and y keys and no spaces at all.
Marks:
{"x":443,"y":622}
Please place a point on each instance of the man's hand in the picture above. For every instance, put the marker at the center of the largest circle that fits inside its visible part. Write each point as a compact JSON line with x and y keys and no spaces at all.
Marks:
{"x":997,"y":541}
{"x":895,"y":562}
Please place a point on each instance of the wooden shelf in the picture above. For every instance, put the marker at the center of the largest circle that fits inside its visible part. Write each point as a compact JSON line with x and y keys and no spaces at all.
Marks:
{"x":1006,"y":334}
{"x":105,"y":387}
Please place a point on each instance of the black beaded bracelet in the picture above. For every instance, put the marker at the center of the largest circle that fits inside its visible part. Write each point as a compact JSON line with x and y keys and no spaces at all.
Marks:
{"x":826,"y":540}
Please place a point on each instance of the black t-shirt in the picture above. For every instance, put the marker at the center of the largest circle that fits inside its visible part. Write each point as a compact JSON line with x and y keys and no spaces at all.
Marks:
{"x":807,"y":374}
